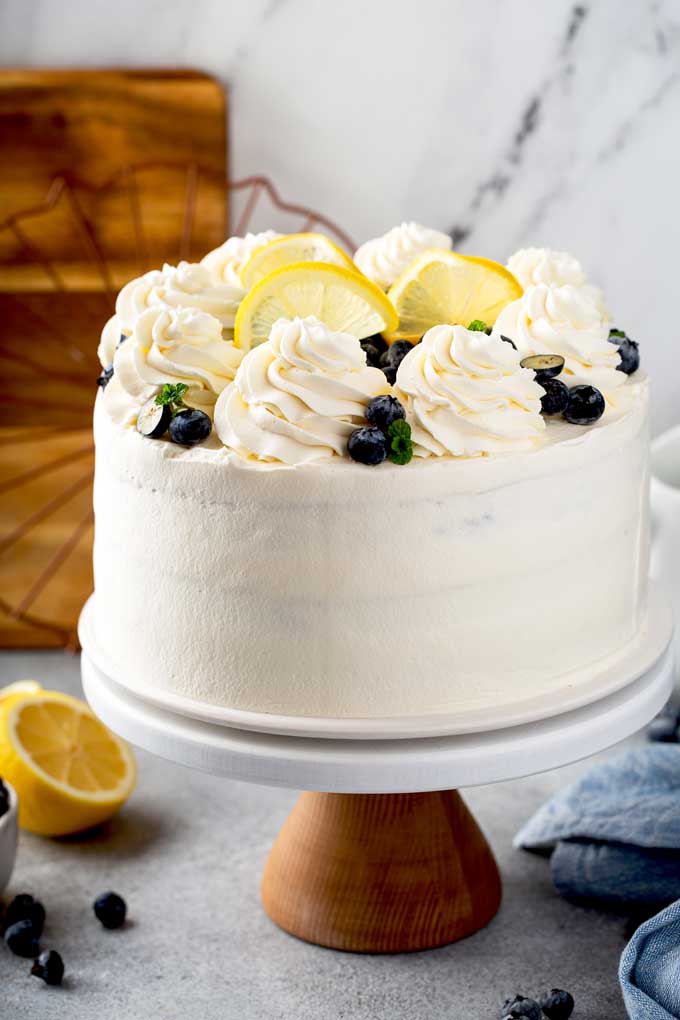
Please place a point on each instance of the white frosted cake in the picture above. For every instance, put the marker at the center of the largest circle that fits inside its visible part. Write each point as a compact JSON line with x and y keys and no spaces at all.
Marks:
{"x":295,"y":515}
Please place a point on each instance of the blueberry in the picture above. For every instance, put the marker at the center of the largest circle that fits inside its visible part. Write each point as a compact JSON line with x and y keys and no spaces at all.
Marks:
{"x":22,"y":939}
{"x":395,"y":354}
{"x":546,"y":366}
{"x":110,"y":909}
{"x":4,"y":803}
{"x":122,"y":339}
{"x":368,"y":446}
{"x":556,"y":397}
{"x":153,"y":419}
{"x":521,"y":1008}
{"x":24,"y":908}
{"x":390,"y":374}
{"x":105,"y":377}
{"x":372,"y":353}
{"x":663,"y":730}
{"x":382,"y":411}
{"x":376,"y":341}
{"x":630,"y":355}
{"x":558,"y":1005}
{"x":49,"y":966}
{"x":190,"y":426}
{"x":507,"y":340}
{"x":586,"y":405}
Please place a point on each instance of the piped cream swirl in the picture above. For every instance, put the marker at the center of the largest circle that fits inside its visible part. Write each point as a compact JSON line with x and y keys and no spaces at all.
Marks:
{"x":298,"y":397}
{"x":183,"y":345}
{"x":187,"y":285}
{"x":225,"y":263}
{"x":530,"y":266}
{"x":566,"y":321}
{"x":385,"y":258}
{"x":466,"y":395}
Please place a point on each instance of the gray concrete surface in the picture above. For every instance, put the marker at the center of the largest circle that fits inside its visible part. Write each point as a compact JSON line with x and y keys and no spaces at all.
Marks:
{"x":187,"y":853}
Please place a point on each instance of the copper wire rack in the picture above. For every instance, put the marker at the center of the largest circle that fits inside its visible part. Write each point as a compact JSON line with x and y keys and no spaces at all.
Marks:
{"x":62,"y":263}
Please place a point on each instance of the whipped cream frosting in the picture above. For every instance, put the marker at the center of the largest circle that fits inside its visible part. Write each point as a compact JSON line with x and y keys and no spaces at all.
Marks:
{"x":564,"y":320}
{"x":466,"y":395}
{"x":298,"y":397}
{"x":554,"y":268}
{"x":183,"y":345}
{"x":385,"y":258}
{"x":225,"y":263}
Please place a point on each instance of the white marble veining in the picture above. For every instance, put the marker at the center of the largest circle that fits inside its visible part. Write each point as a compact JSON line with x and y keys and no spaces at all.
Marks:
{"x":506,"y":123}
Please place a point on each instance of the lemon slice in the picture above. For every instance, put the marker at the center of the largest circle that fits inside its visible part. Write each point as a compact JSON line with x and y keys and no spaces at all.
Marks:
{"x":20,"y":687}
{"x":444,"y":287}
{"x":69,"y":771}
{"x":341,"y":298}
{"x":286,"y":251}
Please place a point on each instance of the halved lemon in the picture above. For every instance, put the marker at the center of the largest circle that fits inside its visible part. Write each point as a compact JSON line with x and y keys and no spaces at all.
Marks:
{"x":20,"y":687}
{"x":287,"y":250}
{"x":444,"y":287}
{"x":341,"y":298}
{"x":69,"y":771}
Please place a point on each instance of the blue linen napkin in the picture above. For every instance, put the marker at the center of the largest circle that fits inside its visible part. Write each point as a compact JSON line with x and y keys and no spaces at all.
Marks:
{"x":616,"y":832}
{"x":615,"y":842}
{"x":650,"y":968}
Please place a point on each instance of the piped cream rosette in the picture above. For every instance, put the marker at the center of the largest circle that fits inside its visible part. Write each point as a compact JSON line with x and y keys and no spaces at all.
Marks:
{"x":184,"y":345}
{"x":298,"y":397}
{"x":466,"y":395}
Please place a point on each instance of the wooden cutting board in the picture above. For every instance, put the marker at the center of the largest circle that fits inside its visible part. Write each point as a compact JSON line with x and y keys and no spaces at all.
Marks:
{"x":102,"y":224}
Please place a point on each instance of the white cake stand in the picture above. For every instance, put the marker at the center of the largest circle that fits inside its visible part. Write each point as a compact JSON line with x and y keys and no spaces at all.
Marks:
{"x":384,"y":856}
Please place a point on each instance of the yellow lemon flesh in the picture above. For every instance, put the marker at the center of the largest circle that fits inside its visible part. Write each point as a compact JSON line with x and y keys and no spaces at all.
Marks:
{"x":69,"y":771}
{"x":340,"y":297}
{"x":288,"y":250}
{"x":444,"y":287}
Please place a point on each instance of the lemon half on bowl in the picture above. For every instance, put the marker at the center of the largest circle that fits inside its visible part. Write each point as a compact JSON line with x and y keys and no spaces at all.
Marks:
{"x":339,"y":297}
{"x":69,"y":771}
{"x":444,"y":287}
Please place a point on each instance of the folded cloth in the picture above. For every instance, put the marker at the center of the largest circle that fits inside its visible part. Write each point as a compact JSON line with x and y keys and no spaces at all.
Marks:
{"x":616,"y":831}
{"x":650,"y":968}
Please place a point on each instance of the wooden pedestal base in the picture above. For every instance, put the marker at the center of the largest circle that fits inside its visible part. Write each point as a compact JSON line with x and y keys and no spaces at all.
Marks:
{"x":381,"y":873}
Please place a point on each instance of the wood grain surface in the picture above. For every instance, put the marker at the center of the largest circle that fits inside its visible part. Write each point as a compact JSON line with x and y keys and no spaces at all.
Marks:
{"x":381,"y":873}
{"x":98,"y":225}
{"x":92,"y":126}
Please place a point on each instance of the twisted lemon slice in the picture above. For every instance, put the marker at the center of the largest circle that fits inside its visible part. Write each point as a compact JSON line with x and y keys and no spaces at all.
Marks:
{"x":288,"y":250}
{"x":69,"y":771}
{"x":339,"y":297}
{"x":444,"y":287}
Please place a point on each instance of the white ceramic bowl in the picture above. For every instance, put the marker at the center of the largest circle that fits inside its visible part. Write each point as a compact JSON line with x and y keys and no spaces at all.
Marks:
{"x":8,"y":838}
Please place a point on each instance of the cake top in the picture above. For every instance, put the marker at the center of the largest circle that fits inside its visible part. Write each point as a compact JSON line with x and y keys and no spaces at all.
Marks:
{"x":290,"y":353}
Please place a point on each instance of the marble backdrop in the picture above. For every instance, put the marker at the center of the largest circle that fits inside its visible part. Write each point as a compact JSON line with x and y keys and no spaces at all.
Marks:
{"x":508,"y":123}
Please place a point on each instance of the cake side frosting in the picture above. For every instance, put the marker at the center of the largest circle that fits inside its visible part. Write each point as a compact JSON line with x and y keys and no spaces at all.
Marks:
{"x":330,"y":589}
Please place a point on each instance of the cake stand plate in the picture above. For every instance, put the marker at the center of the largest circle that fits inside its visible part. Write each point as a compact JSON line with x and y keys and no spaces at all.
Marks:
{"x":566,"y":692}
{"x":387,"y":858}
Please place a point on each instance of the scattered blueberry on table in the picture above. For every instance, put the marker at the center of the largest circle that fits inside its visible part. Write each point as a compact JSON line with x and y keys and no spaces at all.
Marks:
{"x":49,"y":966}
{"x":21,"y":938}
{"x":24,"y":908}
{"x":555,"y":1005}
{"x":110,"y":909}
{"x":558,"y":1004}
